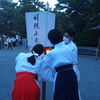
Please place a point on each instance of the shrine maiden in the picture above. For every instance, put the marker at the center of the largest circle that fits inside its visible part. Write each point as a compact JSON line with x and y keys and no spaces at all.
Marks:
{"x":27,"y":67}
{"x":57,"y":66}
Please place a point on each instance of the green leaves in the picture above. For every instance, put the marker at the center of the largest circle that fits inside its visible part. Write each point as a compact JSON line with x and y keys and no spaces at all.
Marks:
{"x":81,"y":15}
{"x":15,"y":14}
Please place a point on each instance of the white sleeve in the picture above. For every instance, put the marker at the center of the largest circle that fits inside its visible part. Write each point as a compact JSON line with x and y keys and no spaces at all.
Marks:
{"x":46,"y":71}
{"x":19,"y":55}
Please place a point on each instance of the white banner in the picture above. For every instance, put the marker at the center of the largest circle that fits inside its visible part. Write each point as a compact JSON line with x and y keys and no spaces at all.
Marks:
{"x":38,"y":24}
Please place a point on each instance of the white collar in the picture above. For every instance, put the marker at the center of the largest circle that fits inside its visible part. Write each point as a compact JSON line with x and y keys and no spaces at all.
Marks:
{"x":59,"y":44}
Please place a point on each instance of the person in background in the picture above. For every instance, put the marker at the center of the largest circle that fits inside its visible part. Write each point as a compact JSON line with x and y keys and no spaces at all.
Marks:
{"x":68,"y":39}
{"x":5,"y":43}
{"x":27,"y":66}
{"x":0,"y":43}
{"x":9,"y":40}
{"x":14,"y":41}
{"x":60,"y":59}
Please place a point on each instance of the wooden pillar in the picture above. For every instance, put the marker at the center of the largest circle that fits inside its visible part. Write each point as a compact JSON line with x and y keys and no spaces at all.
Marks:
{"x":47,"y":49}
{"x":98,"y":50}
{"x":43,"y":90}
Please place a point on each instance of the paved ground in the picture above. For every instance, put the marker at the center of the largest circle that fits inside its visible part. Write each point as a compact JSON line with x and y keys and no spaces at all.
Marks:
{"x":89,"y":68}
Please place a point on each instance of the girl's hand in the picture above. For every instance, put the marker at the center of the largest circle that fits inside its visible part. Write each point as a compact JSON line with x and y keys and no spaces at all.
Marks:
{"x":31,"y":49}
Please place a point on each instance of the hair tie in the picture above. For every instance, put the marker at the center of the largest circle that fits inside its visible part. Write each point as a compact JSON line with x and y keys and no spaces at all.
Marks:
{"x":35,"y":53}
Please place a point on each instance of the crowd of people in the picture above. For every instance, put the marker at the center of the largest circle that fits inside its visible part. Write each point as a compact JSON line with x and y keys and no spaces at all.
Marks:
{"x":7,"y":43}
{"x":59,"y":66}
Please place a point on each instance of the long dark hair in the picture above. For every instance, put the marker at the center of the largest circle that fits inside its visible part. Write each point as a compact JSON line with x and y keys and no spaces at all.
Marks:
{"x":31,"y":60}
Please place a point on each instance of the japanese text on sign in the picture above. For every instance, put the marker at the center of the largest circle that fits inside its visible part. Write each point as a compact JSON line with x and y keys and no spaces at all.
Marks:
{"x":36,"y":28}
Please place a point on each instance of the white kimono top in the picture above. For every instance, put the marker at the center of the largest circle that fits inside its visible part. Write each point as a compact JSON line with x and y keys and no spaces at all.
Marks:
{"x":22,"y":65}
{"x":60,"y":55}
{"x":73,"y":47}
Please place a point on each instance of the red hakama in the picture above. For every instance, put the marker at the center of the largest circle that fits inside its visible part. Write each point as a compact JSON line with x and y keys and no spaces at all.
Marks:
{"x":25,"y":87}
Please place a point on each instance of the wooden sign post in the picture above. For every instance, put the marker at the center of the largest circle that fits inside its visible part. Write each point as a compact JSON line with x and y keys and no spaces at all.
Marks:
{"x":38,"y":24}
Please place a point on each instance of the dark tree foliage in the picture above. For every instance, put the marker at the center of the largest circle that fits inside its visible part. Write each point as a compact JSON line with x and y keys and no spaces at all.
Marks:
{"x":12,"y":16}
{"x":7,"y":14}
{"x":82,"y":15}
